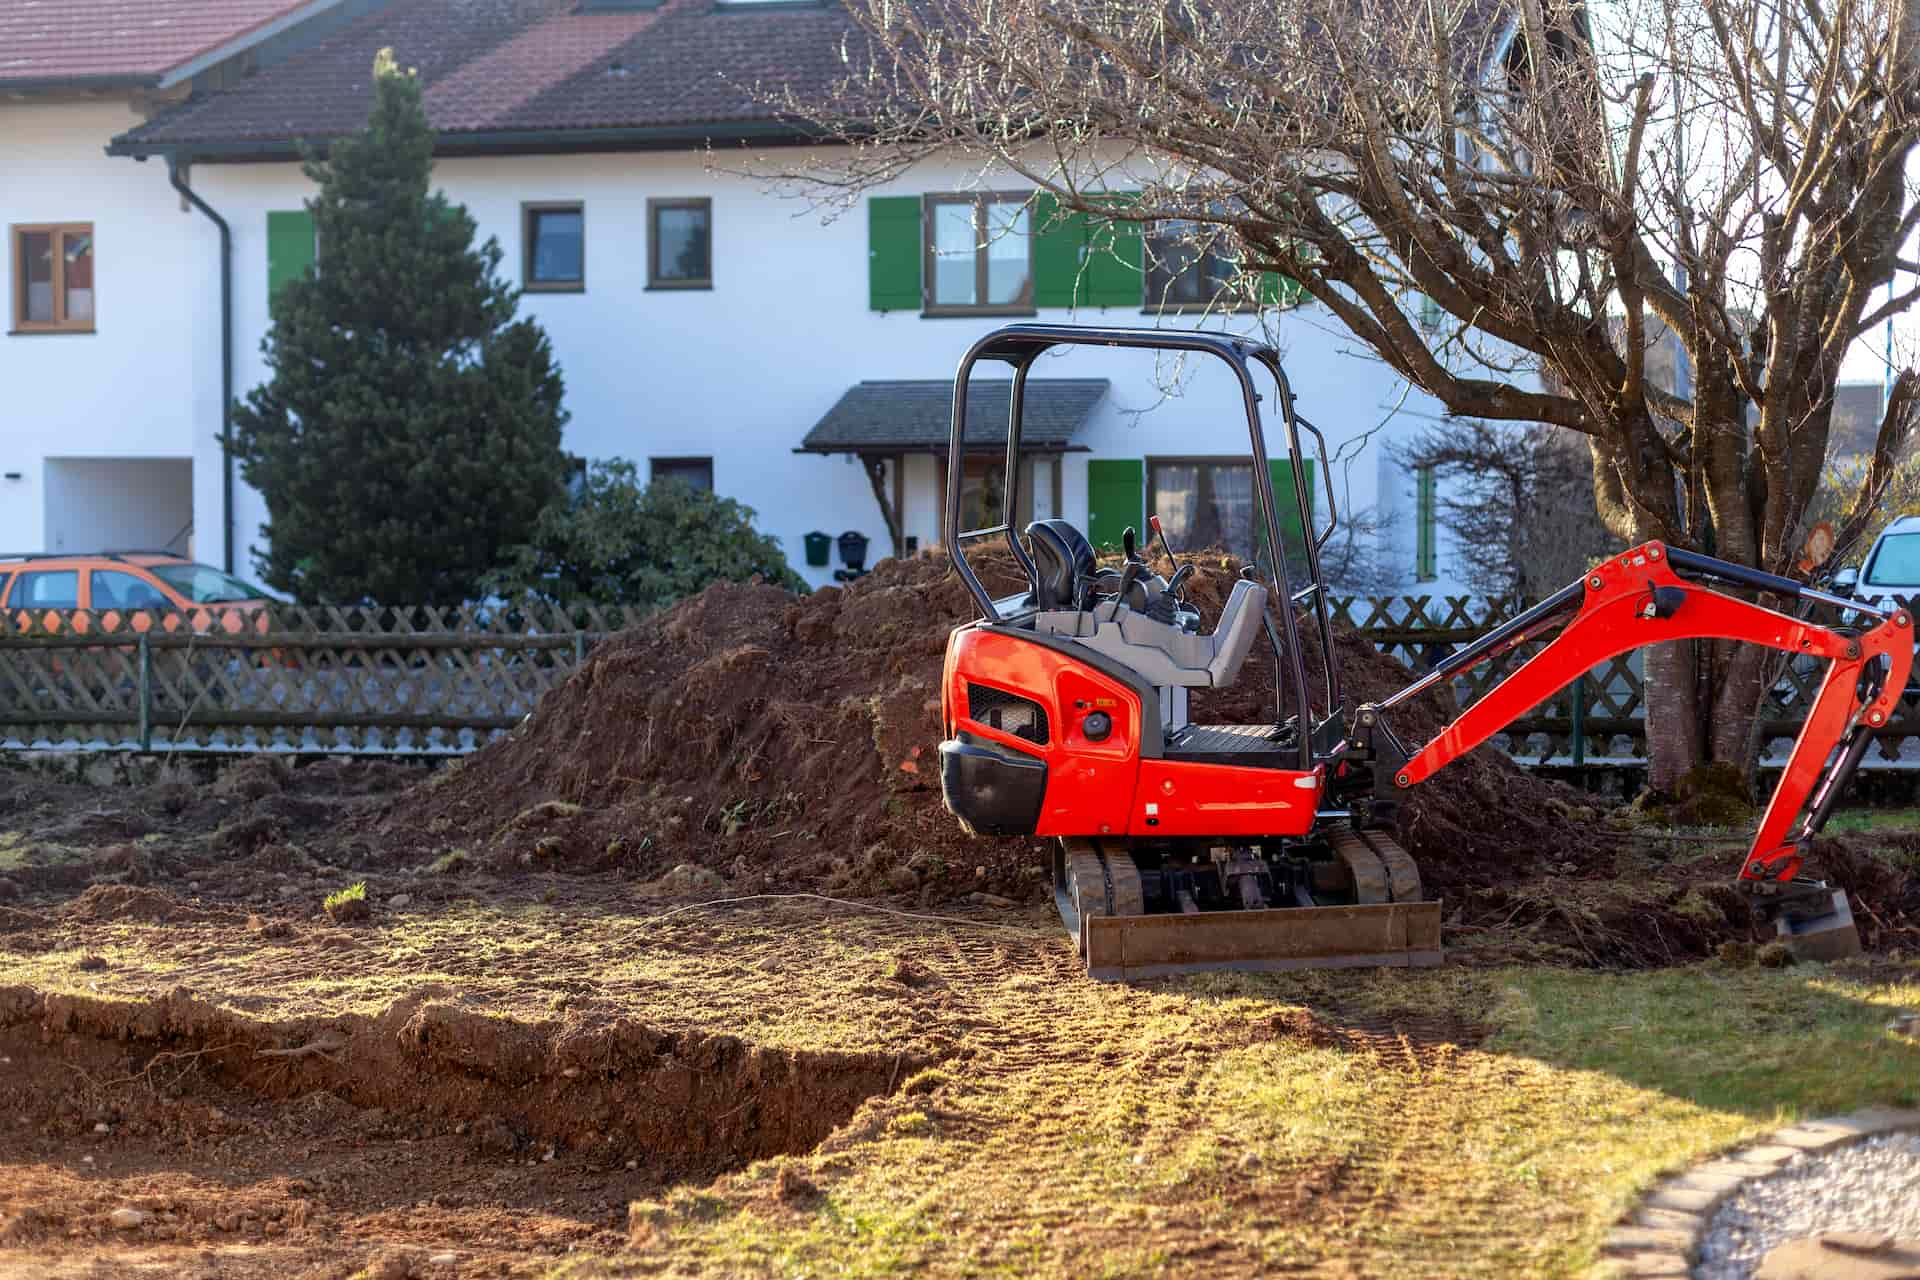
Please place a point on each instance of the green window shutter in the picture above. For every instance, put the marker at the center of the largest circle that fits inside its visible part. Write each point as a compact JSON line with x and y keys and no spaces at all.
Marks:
{"x":1293,"y":523}
{"x":1116,"y":498}
{"x":1425,"y":519}
{"x":1058,"y":242}
{"x":893,"y":253}
{"x":1080,"y":261}
{"x":291,"y":247}
{"x":1277,"y":290}
{"x":1116,"y":260}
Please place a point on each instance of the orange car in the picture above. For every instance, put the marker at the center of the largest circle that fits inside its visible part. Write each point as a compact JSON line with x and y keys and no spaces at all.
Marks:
{"x":136,"y":590}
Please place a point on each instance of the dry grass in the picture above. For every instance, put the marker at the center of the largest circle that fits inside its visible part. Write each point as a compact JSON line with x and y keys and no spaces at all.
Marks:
{"x":1455,"y":1122}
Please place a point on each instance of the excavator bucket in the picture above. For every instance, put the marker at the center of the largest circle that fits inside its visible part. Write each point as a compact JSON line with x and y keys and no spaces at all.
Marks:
{"x":1097,"y":896}
{"x":1814,"y":933}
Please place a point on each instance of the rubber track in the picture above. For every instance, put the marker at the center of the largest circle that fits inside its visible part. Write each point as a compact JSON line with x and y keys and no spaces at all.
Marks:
{"x":1371,"y":886}
{"x":1403,"y":873}
{"x":1129,"y":899}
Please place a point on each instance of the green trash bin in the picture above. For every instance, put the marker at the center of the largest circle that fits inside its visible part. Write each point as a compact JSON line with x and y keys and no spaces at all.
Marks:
{"x":819,"y":549}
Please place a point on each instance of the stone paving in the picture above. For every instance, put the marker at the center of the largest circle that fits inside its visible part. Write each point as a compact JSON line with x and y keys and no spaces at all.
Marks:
{"x":1662,"y":1238}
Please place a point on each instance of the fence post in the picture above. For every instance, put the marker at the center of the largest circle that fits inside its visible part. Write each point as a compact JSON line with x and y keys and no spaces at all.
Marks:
{"x":1580,"y":719}
{"x":579,"y":649}
{"x":146,"y":694}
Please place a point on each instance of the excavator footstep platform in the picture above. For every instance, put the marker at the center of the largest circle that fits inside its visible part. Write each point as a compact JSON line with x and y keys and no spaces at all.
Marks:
{"x":1386,"y":935}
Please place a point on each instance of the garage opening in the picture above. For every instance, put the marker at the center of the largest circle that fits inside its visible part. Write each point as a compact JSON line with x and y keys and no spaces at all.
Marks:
{"x":119,"y":504}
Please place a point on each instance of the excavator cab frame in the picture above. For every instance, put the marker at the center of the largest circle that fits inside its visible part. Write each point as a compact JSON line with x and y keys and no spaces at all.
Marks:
{"x":1184,"y":846}
{"x":1021,"y":345}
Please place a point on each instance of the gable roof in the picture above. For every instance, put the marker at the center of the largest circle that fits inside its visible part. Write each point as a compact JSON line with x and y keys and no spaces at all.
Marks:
{"x":511,"y":74}
{"x":916,"y":415}
{"x":51,"y":44}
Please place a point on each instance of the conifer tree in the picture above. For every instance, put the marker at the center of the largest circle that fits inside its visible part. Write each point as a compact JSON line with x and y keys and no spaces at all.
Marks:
{"x":410,"y":431}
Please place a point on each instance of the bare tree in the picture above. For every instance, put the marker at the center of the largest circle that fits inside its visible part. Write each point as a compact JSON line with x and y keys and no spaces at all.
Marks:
{"x":1552,"y":176}
{"x":1520,"y":505}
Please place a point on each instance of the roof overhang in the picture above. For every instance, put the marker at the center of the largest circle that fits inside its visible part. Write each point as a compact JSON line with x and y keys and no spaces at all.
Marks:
{"x":675,"y":137}
{"x":78,"y":84}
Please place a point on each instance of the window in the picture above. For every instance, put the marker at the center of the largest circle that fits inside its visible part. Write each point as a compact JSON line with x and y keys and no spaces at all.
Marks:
{"x":205,"y":585}
{"x":554,"y":250}
{"x":1425,"y":567}
{"x":1186,"y":271}
{"x":1209,"y":502}
{"x":979,"y":254}
{"x":1896,"y":563}
{"x":694,"y":472}
{"x":1204,"y":503}
{"x":47,"y":589}
{"x":109,"y":590}
{"x":53,"y":279}
{"x":983,"y":491}
{"x":680,"y":244}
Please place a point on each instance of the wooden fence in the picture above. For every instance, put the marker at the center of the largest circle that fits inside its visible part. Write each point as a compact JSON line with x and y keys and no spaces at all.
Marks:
{"x":444,"y":681}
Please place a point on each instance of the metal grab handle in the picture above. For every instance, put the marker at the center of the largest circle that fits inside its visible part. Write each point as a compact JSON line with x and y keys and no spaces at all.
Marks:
{"x":1326,"y":482}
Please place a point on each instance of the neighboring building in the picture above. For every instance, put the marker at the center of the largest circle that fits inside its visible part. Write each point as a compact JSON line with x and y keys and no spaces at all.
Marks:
{"x":108,"y":275}
{"x":707,"y":327}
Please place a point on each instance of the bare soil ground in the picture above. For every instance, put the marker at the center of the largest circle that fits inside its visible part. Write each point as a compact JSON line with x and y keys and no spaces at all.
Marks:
{"x":538,"y":1054}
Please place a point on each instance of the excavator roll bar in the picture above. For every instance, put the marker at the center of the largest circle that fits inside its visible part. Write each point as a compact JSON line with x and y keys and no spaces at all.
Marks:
{"x":1639,"y":598}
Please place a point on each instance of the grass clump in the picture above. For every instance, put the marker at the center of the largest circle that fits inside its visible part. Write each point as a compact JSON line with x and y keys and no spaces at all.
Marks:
{"x":349,"y":903}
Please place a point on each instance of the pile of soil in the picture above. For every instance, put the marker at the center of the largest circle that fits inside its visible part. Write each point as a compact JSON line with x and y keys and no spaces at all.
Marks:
{"x":789,"y":743}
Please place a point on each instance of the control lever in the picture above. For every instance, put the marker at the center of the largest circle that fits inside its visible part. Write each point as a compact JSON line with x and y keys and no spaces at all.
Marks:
{"x":1165,"y":548}
{"x":1128,"y":576}
{"x":1180,"y":576}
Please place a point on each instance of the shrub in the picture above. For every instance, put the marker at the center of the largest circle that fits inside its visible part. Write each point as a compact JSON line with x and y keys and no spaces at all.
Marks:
{"x":618,"y":542}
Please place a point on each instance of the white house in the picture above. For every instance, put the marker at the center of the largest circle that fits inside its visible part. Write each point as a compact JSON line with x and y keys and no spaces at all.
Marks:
{"x":707,"y":326}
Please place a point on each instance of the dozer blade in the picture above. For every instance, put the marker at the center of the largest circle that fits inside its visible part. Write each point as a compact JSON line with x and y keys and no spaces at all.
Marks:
{"x":1384,"y":935}
{"x":1815,"y":934}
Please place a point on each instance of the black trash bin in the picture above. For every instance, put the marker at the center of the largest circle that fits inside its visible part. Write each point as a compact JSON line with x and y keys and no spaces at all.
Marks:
{"x":819,"y":549}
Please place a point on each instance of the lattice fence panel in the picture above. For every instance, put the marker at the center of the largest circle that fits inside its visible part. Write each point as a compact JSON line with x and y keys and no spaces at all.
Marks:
{"x":445,"y":680}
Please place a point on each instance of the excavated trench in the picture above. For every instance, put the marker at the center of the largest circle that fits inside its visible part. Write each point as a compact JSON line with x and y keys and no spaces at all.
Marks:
{"x":424,"y":1120}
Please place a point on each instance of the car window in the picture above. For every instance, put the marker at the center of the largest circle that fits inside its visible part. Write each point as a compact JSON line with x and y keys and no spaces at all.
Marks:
{"x":204,"y":585}
{"x":46,"y":589}
{"x":113,"y":590}
{"x":1896,"y":561}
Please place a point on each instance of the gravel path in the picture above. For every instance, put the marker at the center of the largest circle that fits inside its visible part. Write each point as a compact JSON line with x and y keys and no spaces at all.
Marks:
{"x":1872,"y":1185}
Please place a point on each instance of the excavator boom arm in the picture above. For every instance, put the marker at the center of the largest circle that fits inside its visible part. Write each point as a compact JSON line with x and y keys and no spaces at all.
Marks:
{"x":1639,"y":598}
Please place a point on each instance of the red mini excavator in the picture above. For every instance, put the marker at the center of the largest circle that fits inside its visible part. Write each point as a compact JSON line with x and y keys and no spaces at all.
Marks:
{"x":1185,"y":846}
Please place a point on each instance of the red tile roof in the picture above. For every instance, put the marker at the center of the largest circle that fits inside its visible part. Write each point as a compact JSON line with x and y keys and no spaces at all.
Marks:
{"x":136,"y":41}
{"x":527,"y":66}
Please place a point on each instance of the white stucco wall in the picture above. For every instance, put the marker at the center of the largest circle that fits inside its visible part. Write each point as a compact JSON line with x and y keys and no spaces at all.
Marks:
{"x":738,"y":373}
{"x":741,"y":372}
{"x":145,"y":383}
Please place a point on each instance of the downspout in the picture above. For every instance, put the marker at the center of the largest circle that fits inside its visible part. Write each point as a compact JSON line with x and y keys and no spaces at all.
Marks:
{"x":226,"y":357}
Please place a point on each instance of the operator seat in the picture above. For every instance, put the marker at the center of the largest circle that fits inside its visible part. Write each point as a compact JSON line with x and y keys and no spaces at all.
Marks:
{"x":1165,"y":655}
{"x":1063,"y":562}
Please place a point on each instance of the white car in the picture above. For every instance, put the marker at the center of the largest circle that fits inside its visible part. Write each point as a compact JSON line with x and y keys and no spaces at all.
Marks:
{"x":1891,"y":570}
{"x":1890,"y":575}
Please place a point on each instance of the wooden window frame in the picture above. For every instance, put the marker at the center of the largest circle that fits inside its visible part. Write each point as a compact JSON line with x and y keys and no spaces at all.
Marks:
{"x":1226,"y":299}
{"x":530,"y":211}
{"x":1153,"y":460}
{"x":657,"y":205}
{"x":59,"y":231}
{"x":929,"y":280}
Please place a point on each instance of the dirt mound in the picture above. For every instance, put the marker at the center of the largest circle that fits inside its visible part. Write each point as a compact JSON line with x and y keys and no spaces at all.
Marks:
{"x":790,"y":742}
{"x":104,"y":902}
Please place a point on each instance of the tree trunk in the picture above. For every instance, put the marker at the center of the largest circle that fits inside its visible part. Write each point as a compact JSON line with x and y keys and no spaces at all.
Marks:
{"x":1673,"y":712}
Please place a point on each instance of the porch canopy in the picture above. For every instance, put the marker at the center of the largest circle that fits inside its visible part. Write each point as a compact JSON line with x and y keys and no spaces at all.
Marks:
{"x":886,"y":420}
